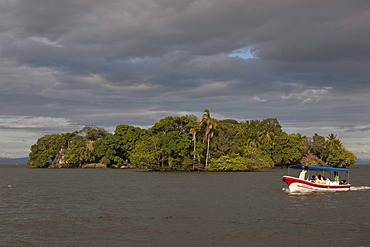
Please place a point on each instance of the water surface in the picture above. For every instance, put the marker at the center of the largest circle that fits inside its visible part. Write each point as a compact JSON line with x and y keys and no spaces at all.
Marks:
{"x":83,"y":207}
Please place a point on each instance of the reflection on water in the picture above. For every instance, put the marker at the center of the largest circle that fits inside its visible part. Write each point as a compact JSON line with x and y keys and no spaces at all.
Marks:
{"x":135,"y":208}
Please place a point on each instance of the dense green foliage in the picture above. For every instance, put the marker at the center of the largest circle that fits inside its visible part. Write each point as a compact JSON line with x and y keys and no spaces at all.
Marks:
{"x":116,"y":148}
{"x":184,"y":143}
{"x":46,"y":149}
{"x":168,"y":145}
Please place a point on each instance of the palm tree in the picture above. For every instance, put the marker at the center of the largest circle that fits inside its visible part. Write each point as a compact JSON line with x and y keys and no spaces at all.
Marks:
{"x":210,"y":124}
{"x":333,"y":142}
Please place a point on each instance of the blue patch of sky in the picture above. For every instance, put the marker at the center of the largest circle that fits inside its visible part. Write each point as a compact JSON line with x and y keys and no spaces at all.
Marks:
{"x":244,"y":53}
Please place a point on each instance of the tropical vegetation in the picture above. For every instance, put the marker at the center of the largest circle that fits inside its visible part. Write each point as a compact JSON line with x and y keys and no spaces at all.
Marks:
{"x":186,"y":143}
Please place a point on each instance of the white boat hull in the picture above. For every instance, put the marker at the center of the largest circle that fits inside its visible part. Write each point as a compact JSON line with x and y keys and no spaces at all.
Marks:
{"x":299,"y":185}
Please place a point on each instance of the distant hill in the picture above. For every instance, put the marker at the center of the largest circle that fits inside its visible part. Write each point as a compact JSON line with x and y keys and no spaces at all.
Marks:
{"x":19,"y":161}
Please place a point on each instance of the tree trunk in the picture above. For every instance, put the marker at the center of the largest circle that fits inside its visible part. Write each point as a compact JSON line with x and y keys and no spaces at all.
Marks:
{"x":194,"y":154}
{"x":207,"y":155}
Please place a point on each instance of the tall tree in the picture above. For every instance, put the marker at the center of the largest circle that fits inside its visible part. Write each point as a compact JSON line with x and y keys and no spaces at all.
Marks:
{"x":193,"y":132}
{"x":210,"y":126}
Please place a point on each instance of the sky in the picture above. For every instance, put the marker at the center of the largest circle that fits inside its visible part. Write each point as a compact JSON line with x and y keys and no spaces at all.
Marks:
{"x":67,"y":64}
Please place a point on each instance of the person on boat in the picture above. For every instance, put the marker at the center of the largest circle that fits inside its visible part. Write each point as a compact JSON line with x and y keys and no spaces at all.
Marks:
{"x":336,"y":177}
{"x":327,"y":181}
{"x":317,"y":179}
{"x":302,"y":175}
{"x":313,"y":178}
{"x":320,"y":179}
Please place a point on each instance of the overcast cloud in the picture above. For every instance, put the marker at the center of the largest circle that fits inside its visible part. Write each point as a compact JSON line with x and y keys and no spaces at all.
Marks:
{"x":66,"y":64}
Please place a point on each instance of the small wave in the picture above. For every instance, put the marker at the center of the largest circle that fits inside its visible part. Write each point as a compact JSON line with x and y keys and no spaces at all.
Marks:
{"x":357,"y":188}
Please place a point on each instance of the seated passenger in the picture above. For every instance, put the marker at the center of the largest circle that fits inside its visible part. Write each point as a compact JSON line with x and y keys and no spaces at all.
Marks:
{"x":321,"y":180}
{"x":327,"y":181}
{"x":317,"y":179}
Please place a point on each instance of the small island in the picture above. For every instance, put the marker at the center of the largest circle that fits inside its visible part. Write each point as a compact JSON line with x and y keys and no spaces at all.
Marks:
{"x":185,"y":143}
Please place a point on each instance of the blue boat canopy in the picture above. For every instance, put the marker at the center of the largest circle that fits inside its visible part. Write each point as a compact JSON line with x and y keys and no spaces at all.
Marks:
{"x":319,"y":168}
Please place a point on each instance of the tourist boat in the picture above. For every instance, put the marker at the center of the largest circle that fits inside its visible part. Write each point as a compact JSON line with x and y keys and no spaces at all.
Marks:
{"x":307,"y":185}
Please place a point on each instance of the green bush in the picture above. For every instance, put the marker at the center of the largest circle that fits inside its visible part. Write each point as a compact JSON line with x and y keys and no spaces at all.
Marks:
{"x":227,"y":163}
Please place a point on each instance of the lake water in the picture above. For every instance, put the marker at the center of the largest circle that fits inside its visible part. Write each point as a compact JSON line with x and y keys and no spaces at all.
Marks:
{"x":76,"y":207}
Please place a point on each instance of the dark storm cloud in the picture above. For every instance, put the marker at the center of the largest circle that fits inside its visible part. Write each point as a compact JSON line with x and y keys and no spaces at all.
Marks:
{"x":135,"y":61}
{"x":98,"y":34}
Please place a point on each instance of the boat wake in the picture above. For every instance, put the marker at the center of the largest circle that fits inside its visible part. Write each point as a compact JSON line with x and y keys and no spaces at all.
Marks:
{"x":359,"y":188}
{"x":305,"y":193}
{"x":286,"y":190}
